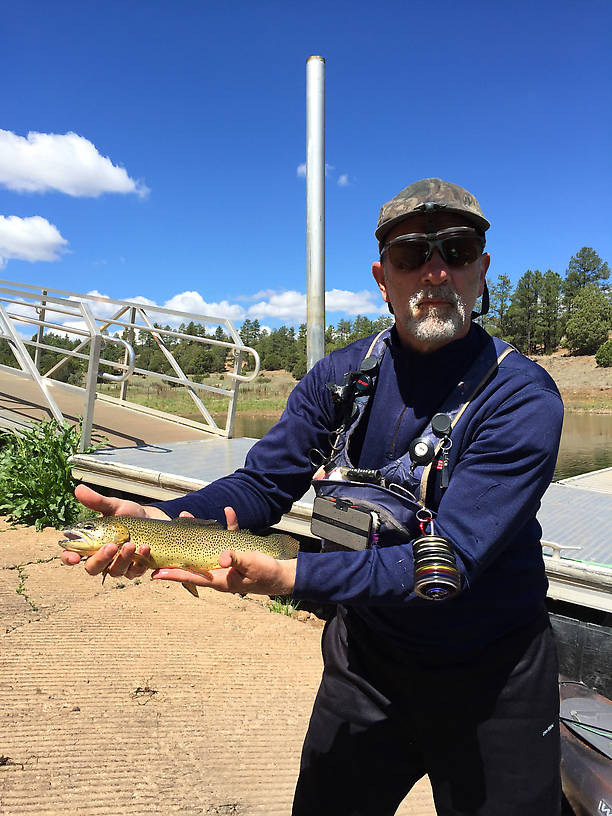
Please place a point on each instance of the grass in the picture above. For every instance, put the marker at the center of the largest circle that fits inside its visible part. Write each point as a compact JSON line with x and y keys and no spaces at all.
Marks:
{"x":283,"y":606}
{"x":593,"y":405}
{"x":267,"y":393}
{"x":21,"y":587}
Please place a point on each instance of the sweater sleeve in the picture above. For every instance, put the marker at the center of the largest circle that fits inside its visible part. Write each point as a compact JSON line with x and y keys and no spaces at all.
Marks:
{"x":277,"y":470}
{"x":494,"y":493}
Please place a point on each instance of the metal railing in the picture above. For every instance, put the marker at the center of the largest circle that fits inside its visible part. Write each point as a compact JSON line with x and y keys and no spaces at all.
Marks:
{"x":74,"y":314}
{"x":575,"y":581}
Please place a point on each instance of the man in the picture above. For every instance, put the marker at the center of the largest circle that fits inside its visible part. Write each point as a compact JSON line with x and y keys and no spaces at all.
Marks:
{"x":463,"y":689}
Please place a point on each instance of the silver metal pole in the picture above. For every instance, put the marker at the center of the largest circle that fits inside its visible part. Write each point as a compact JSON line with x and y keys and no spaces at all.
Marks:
{"x":315,"y":209}
{"x":130,"y":339}
{"x":41,"y":330}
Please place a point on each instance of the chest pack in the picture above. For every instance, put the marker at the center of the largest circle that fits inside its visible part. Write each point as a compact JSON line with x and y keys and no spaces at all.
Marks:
{"x":356,"y":509}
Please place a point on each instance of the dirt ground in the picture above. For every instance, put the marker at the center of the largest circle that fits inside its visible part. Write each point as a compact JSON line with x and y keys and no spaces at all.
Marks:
{"x":135,"y":698}
{"x":582,"y":383}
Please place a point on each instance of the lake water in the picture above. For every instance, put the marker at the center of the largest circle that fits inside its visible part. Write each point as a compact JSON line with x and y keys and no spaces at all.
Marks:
{"x":586,"y":442}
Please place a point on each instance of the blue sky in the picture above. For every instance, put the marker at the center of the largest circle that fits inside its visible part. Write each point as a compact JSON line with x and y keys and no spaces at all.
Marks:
{"x":171,"y":133}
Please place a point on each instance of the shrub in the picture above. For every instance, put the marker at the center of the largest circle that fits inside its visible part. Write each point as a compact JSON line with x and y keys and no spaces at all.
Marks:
{"x":603,"y":355}
{"x":299,"y":370}
{"x":36,"y":484}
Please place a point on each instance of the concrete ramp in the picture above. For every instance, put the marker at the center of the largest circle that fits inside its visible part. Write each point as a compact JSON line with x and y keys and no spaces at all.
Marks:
{"x":137,"y":699}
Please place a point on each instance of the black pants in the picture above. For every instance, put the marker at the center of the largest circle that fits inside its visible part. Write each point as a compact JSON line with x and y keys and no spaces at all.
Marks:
{"x":485,"y":731}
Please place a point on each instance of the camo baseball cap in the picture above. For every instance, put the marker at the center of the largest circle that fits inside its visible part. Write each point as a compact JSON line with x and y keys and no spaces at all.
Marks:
{"x":425,"y":196}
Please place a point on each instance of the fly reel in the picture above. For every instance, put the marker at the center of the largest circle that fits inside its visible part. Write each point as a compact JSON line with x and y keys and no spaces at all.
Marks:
{"x":436,"y":576}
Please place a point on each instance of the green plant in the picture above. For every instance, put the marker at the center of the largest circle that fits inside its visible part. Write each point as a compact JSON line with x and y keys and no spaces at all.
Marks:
{"x":36,"y":484}
{"x":589,"y":325}
{"x":283,"y":605}
{"x":603,"y":355}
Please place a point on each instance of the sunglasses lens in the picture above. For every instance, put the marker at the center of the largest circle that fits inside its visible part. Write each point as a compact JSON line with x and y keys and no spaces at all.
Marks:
{"x":461,"y":250}
{"x":409,"y":255}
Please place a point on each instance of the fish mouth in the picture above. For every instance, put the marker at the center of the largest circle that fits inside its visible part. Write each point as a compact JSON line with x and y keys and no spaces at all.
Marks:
{"x":72,"y":536}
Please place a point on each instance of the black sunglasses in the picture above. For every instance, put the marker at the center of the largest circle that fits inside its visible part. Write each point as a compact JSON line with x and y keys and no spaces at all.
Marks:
{"x":458,"y":246}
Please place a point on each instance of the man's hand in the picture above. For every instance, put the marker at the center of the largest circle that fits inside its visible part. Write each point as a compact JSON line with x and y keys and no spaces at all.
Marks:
{"x":111,"y":506}
{"x":241,"y":572}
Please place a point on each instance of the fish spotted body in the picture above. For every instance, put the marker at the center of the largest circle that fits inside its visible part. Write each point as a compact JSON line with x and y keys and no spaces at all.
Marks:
{"x":183,"y":543}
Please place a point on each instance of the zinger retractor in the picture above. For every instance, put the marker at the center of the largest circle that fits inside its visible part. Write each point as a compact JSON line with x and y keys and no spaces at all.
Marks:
{"x":436,"y":576}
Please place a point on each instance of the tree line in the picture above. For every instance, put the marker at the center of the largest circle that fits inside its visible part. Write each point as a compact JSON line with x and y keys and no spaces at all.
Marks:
{"x":541,"y":312}
{"x":545,"y":310}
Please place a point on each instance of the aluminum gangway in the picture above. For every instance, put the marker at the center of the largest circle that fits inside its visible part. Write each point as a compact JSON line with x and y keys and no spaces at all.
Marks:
{"x":29,"y":313}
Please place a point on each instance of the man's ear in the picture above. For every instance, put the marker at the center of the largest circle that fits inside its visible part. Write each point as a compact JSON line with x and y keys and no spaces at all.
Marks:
{"x":379,"y":277}
{"x":485,"y":260}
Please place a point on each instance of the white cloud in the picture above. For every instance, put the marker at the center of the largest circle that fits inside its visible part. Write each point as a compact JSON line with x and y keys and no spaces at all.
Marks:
{"x":66,"y":163}
{"x":24,"y":310}
{"x":354,"y":303}
{"x":343,"y":180}
{"x":261,"y":294}
{"x":29,"y":239}
{"x":194,"y":303}
{"x":301,"y":170}
{"x":289,"y":306}
{"x":100,"y":308}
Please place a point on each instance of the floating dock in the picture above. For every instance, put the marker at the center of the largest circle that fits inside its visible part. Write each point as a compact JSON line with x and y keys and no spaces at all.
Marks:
{"x":158,"y":459}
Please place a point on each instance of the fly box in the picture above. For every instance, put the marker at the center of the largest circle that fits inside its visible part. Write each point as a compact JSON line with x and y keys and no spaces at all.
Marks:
{"x":342,"y":522}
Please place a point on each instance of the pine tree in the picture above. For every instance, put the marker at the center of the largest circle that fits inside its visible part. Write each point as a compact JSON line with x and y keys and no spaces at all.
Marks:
{"x":585,"y":268}
{"x":548,"y":325}
{"x":590,"y":322}
{"x":523,"y":311}
{"x":500,"y":295}
{"x":362,"y":327}
{"x":250,"y":332}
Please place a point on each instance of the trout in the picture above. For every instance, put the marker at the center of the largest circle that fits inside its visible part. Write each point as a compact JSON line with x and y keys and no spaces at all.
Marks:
{"x":183,"y":543}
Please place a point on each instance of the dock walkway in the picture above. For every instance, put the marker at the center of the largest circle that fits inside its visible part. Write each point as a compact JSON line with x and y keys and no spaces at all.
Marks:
{"x":158,"y":459}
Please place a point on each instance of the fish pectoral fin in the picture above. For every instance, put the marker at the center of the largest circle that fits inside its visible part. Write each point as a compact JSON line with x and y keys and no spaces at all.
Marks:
{"x":106,"y":570}
{"x":143,"y":561}
{"x":191,"y":588}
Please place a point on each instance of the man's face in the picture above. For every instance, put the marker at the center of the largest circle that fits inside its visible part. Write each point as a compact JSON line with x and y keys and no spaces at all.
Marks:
{"x":432,"y":304}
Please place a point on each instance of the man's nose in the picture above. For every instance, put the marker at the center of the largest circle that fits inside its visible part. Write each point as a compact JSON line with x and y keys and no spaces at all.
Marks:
{"x":435,"y":271}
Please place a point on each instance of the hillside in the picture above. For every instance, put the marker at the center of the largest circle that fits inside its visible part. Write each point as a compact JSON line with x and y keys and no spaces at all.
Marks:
{"x":584,"y":386}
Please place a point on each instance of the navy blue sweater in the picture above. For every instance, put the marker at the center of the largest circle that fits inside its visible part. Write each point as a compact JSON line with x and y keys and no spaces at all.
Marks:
{"x":501,"y":462}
